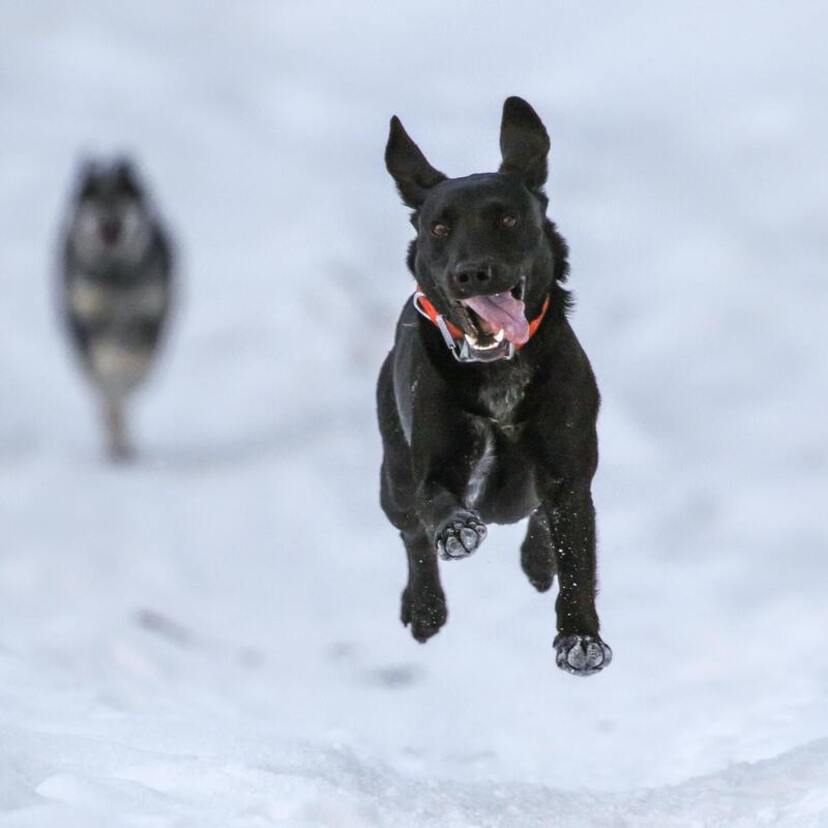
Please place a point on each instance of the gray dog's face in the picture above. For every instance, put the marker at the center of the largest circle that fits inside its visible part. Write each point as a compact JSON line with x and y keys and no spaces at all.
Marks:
{"x":111,"y":222}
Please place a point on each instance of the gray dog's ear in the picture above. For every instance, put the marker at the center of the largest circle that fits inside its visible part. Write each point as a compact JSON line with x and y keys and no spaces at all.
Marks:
{"x":126,"y":176}
{"x":86,"y":177}
{"x":413,"y":175}
{"x":524,"y":143}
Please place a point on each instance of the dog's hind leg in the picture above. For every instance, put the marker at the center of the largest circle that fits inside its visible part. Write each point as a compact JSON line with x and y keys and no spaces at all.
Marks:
{"x":114,"y":419}
{"x":537,"y":553}
{"x":423,"y":600}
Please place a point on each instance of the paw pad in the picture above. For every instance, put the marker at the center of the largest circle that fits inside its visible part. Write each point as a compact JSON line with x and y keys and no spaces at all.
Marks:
{"x":582,"y":655}
{"x":460,"y":537}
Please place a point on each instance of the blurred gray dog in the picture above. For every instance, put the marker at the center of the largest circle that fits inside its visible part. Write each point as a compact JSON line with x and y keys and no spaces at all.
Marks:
{"x":116,"y":287}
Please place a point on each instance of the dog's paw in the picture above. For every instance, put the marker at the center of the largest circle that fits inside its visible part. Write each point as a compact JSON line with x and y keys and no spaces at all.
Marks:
{"x":582,"y":655}
{"x":425,"y":611}
{"x":460,"y":536}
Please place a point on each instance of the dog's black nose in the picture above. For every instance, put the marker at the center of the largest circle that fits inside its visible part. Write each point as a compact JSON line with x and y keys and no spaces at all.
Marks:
{"x":470,"y":278}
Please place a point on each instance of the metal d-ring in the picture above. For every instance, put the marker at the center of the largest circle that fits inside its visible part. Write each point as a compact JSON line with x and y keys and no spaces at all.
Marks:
{"x":439,"y":321}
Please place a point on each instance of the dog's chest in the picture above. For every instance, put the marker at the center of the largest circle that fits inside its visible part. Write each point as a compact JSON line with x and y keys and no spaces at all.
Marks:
{"x":501,"y":398}
{"x":91,"y":301}
{"x":501,"y":401}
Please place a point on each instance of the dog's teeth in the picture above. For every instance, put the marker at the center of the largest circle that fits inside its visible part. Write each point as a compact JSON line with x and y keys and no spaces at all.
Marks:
{"x":488,"y":344}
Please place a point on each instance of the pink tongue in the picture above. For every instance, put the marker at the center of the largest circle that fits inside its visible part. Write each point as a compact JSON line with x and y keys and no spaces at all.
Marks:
{"x":502,"y":310}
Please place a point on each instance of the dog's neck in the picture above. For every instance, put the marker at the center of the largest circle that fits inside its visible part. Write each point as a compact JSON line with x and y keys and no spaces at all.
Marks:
{"x":501,"y":391}
{"x":494,"y":390}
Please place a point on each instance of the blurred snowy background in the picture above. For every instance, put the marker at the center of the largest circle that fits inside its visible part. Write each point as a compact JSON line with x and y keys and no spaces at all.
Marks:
{"x":211,"y":637}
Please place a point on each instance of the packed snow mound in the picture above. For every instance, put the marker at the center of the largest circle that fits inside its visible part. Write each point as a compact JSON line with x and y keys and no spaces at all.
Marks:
{"x":300,"y":785}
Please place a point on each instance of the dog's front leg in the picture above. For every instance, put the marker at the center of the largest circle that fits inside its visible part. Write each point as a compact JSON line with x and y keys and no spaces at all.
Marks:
{"x":571,"y":517}
{"x":445,"y":452}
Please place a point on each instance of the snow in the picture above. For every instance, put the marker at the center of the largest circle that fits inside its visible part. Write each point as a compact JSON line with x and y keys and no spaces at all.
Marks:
{"x":210,"y":637}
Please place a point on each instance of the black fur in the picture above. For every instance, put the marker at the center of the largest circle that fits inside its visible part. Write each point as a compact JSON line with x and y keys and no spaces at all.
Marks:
{"x":467,"y":444}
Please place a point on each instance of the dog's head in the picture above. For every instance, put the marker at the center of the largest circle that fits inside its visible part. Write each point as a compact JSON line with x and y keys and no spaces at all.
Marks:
{"x":111,"y":218}
{"x":485,"y":253}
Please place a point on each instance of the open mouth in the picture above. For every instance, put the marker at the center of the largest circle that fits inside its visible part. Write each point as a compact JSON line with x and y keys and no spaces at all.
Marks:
{"x":489,"y":319}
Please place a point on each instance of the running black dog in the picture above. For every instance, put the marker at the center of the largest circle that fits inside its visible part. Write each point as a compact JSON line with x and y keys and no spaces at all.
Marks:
{"x":487,"y":403}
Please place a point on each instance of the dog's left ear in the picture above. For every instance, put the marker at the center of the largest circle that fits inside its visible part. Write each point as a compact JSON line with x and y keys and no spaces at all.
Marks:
{"x":524,"y":143}
{"x":127,"y":177}
{"x":408,"y":166}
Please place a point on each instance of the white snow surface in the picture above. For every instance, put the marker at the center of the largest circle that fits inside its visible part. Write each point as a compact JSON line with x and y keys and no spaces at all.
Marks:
{"x":210,"y":637}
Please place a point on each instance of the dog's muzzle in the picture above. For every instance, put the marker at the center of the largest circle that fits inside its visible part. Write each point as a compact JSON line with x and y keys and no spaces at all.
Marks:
{"x":458,"y":342}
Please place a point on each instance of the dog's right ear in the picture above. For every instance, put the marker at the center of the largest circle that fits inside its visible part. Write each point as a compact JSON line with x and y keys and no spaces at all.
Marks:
{"x":408,"y":166}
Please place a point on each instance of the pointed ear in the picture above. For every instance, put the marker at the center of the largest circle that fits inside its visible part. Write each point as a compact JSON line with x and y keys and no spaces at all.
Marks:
{"x":524,"y":143}
{"x":127,"y":177}
{"x":87,"y":179}
{"x":408,"y":166}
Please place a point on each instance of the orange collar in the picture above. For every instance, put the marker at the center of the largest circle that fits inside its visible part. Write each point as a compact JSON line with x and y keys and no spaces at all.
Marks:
{"x":455,"y":338}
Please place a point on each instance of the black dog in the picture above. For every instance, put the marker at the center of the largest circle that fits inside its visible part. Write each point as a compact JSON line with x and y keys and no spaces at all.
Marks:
{"x":116,"y":268}
{"x":487,"y":403}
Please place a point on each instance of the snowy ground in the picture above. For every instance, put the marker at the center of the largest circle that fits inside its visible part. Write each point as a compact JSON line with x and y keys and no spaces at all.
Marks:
{"x":210,"y":637}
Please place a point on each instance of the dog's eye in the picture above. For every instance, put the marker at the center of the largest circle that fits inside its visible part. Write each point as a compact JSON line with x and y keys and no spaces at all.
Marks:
{"x":439,"y":229}
{"x":508,"y":221}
